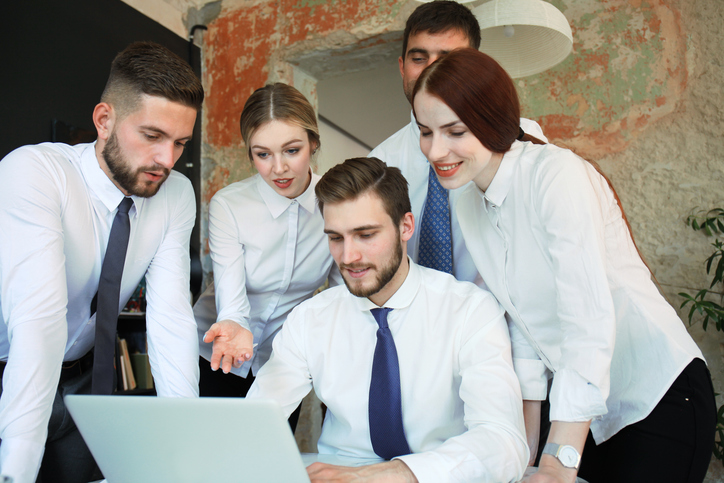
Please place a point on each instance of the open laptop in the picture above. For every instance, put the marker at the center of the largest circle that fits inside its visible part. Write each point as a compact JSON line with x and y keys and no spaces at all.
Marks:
{"x":137,"y":439}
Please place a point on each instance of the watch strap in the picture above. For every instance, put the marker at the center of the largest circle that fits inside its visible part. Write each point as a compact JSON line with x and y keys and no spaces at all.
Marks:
{"x":554,"y":449}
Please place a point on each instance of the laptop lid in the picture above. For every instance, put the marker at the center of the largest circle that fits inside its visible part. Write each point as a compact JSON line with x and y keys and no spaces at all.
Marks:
{"x":177,"y":440}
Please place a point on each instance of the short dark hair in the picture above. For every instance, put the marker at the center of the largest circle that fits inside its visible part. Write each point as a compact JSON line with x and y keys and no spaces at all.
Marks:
{"x":357,"y":176}
{"x":151,"y":69}
{"x":440,"y":16}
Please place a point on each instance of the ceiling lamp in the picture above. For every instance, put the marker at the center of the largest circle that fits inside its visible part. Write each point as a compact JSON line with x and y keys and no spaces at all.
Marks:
{"x":525,"y":36}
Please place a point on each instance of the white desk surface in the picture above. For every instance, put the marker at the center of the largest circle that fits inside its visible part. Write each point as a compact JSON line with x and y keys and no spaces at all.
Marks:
{"x":309,"y":458}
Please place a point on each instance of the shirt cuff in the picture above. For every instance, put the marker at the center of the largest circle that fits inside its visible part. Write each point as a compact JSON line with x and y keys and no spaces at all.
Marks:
{"x":533,"y":377}
{"x":21,"y":459}
{"x":574,"y":399}
{"x":433,"y":467}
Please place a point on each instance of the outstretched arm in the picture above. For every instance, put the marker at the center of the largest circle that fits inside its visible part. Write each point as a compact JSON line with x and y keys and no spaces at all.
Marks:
{"x":233,"y":345}
{"x":550,"y":469}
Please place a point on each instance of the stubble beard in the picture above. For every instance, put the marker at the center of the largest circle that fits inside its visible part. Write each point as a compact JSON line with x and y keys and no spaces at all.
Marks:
{"x":384,"y":275}
{"x":126,"y":177}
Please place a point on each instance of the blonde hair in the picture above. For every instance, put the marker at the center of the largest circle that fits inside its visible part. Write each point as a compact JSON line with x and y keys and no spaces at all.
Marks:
{"x":279,"y":102}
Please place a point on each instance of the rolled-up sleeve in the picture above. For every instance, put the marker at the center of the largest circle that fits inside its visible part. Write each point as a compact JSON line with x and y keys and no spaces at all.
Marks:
{"x":572,"y":215}
{"x":531,"y":371}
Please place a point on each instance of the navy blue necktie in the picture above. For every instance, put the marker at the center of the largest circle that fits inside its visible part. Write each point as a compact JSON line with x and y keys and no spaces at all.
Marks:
{"x":109,"y":288}
{"x":385,"y":403}
{"x":435,"y":236}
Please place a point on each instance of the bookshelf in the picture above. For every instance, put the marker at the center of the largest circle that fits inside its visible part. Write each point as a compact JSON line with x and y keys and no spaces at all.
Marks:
{"x":132,"y":365}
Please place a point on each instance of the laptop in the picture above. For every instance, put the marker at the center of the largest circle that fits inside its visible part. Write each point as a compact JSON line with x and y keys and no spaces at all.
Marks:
{"x":137,"y":439}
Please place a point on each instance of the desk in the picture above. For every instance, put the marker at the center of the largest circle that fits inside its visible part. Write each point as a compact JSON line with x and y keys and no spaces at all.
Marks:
{"x":330,"y":459}
{"x":309,"y":458}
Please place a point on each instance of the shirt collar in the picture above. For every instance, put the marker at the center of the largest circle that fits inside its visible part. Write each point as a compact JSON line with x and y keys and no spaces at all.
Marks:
{"x":413,"y":122}
{"x":404,"y":295}
{"x":500,"y":186}
{"x":278,"y":204}
{"x":101,"y":185}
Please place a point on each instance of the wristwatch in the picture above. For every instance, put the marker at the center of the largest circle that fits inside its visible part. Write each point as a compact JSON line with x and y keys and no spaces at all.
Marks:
{"x":567,"y":455}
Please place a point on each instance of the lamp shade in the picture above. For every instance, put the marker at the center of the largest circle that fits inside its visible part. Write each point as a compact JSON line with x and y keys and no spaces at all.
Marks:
{"x":540,"y":36}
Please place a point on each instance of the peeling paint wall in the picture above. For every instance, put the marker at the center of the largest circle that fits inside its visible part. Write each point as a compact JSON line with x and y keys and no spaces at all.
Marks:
{"x":248,"y":45}
{"x":641,"y":95}
{"x":628,"y":70}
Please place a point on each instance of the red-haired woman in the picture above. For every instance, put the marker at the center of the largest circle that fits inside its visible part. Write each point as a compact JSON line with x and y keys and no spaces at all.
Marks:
{"x":629,"y":391}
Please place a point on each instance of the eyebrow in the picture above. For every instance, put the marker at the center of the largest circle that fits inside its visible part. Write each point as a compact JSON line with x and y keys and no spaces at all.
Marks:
{"x":258,"y":146}
{"x":354,"y":230}
{"x":160,"y":131}
{"x":417,"y":50}
{"x":450,"y":124}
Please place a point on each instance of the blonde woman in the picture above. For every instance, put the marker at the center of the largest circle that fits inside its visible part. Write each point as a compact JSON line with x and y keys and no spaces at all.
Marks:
{"x":267,"y":242}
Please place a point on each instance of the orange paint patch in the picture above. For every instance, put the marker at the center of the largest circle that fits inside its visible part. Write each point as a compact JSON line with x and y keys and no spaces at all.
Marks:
{"x":237,"y":49}
{"x":215,"y":182}
{"x":642,"y":121}
{"x":319,"y":20}
{"x":559,"y":126}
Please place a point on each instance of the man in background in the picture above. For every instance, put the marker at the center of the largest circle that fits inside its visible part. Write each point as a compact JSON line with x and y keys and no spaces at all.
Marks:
{"x":432,"y":30}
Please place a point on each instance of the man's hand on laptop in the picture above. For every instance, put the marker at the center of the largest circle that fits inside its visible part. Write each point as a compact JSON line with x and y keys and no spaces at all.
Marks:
{"x":388,"y":472}
{"x":233,"y":345}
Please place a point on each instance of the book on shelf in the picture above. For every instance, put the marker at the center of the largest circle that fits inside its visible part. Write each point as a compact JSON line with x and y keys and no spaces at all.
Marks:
{"x":129,"y":382}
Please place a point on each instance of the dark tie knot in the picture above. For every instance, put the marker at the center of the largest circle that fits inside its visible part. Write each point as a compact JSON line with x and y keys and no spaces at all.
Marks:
{"x":125,"y":205}
{"x":380,"y":315}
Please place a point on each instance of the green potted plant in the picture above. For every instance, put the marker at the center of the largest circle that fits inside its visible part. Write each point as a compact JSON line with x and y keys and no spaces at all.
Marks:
{"x":707,"y":302}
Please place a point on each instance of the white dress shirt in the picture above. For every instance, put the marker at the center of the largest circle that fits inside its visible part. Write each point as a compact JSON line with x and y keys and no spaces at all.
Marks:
{"x":56,"y":211}
{"x":269,"y":253}
{"x":402,"y":150}
{"x":551,"y":244}
{"x":461,"y":402}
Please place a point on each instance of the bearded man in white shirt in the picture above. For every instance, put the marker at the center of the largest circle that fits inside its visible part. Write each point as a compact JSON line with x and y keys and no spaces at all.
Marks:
{"x":432,"y":30}
{"x":58,"y":204}
{"x":448,"y":396}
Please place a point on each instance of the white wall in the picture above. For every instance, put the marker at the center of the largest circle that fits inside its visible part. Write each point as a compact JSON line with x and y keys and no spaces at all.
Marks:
{"x":370,"y":104}
{"x":336,"y":147}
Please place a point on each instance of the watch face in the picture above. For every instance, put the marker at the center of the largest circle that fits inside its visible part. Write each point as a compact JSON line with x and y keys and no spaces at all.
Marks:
{"x":568,"y":456}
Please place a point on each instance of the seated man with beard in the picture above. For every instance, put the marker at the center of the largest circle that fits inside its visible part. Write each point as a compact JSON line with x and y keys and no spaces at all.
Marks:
{"x":413,"y":366}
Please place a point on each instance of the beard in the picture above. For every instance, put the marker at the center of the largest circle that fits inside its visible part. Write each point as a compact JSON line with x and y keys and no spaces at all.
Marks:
{"x":125,"y":176}
{"x":384,"y":275}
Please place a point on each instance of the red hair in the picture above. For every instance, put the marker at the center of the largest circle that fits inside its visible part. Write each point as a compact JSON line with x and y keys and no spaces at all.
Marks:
{"x":482,"y":94}
{"x":459,"y":78}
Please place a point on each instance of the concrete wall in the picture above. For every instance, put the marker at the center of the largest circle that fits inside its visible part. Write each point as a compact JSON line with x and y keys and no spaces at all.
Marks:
{"x":641,"y":95}
{"x":336,"y":147}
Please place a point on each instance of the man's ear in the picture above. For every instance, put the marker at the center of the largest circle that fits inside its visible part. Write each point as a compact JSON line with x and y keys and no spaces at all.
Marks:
{"x":401,"y":61}
{"x":104,"y":118}
{"x":407,"y":226}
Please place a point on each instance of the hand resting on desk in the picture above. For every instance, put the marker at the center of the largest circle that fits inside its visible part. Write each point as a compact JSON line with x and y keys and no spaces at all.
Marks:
{"x":388,"y":472}
{"x":233,"y":345}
